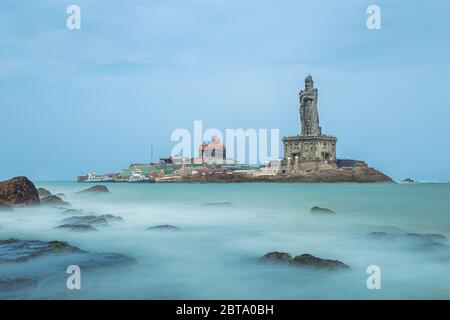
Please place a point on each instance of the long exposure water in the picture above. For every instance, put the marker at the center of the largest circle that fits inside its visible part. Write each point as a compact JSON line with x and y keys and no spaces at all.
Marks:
{"x":215,"y":253}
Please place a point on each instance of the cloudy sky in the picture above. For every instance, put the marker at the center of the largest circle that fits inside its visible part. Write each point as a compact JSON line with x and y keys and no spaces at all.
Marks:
{"x":97,"y":98}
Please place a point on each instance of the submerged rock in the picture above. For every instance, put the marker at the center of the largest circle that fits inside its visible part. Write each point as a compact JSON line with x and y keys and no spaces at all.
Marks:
{"x":103,"y":260}
{"x":218,"y":204}
{"x":419,"y":241}
{"x":410,"y":236}
{"x":377,"y":234}
{"x":77,"y":227}
{"x":19,"y":258}
{"x":15,"y":250}
{"x":19,"y":192}
{"x":304,"y":260}
{"x":277,"y":257}
{"x":317,"y":209}
{"x":10,"y":284}
{"x":73,"y":211}
{"x":390,"y":229}
{"x":164,"y":227}
{"x":427,"y":236}
{"x":61,"y":195}
{"x":42,"y":192}
{"x":308,"y":260}
{"x":54,"y":201}
{"x":21,"y":251}
{"x":102,"y":220}
{"x":95,"y":189}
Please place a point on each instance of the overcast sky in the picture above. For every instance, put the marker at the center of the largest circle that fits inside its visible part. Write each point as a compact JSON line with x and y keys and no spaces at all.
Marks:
{"x":97,"y":98}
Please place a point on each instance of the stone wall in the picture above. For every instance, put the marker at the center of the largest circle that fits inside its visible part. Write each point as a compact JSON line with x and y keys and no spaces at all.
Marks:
{"x":310,"y":148}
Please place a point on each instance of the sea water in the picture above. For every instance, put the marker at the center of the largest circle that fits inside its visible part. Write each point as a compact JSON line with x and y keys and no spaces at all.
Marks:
{"x":215,"y":253}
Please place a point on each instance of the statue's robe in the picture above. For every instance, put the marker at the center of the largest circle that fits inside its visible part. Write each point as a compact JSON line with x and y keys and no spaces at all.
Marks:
{"x":308,"y":112}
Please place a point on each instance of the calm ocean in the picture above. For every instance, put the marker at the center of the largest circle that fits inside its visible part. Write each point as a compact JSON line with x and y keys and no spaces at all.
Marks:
{"x":215,"y":253}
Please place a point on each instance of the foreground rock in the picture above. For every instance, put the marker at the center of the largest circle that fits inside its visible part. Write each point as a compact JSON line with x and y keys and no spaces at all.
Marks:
{"x":77,"y":227}
{"x":54,"y":201}
{"x":8,"y":284}
{"x":277,"y":257}
{"x":317,"y":209}
{"x":19,"y":260}
{"x":163,"y":227}
{"x":308,"y":260}
{"x":42,"y":192}
{"x":15,"y":250}
{"x":95,"y":189}
{"x":20,"y":251}
{"x":19,"y":192}
{"x":304,"y":260}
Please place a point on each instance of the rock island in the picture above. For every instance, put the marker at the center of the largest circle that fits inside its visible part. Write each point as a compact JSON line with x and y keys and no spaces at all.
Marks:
{"x":308,"y":157}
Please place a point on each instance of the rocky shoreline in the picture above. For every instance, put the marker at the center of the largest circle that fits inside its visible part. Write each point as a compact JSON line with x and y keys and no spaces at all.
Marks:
{"x":335,"y":175}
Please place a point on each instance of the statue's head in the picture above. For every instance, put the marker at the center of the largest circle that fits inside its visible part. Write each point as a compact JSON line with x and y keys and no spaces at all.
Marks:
{"x":309,"y":82}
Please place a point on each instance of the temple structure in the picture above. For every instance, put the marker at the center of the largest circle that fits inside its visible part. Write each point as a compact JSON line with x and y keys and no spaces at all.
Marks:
{"x":212,"y":152}
{"x":311,"y":148}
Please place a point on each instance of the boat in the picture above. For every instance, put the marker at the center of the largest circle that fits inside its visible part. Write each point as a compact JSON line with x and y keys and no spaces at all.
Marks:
{"x":138,"y":177}
{"x":92,"y":177}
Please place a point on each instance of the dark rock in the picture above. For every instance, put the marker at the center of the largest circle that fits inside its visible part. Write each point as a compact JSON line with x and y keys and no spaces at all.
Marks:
{"x":95,"y":189}
{"x":427,"y":237}
{"x":317,"y":209}
{"x":163,"y":227}
{"x":77,"y":227}
{"x":309,"y":260}
{"x":436,"y":236}
{"x":377,"y":234}
{"x":25,"y":262}
{"x":16,"y":283}
{"x":277,"y":257}
{"x":19,"y":192}
{"x":111,"y":217}
{"x":54,"y":201}
{"x":61,"y":195}
{"x":102,"y":220}
{"x":218,"y":204}
{"x":408,"y":180}
{"x":42,"y":192}
{"x":15,"y":250}
{"x":306,"y":260}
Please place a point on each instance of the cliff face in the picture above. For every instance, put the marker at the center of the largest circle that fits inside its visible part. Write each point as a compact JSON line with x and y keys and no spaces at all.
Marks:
{"x":18,"y":191}
{"x":358,"y":174}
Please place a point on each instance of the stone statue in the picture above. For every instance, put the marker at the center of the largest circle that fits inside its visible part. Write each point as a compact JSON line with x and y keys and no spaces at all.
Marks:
{"x":308,"y":109}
